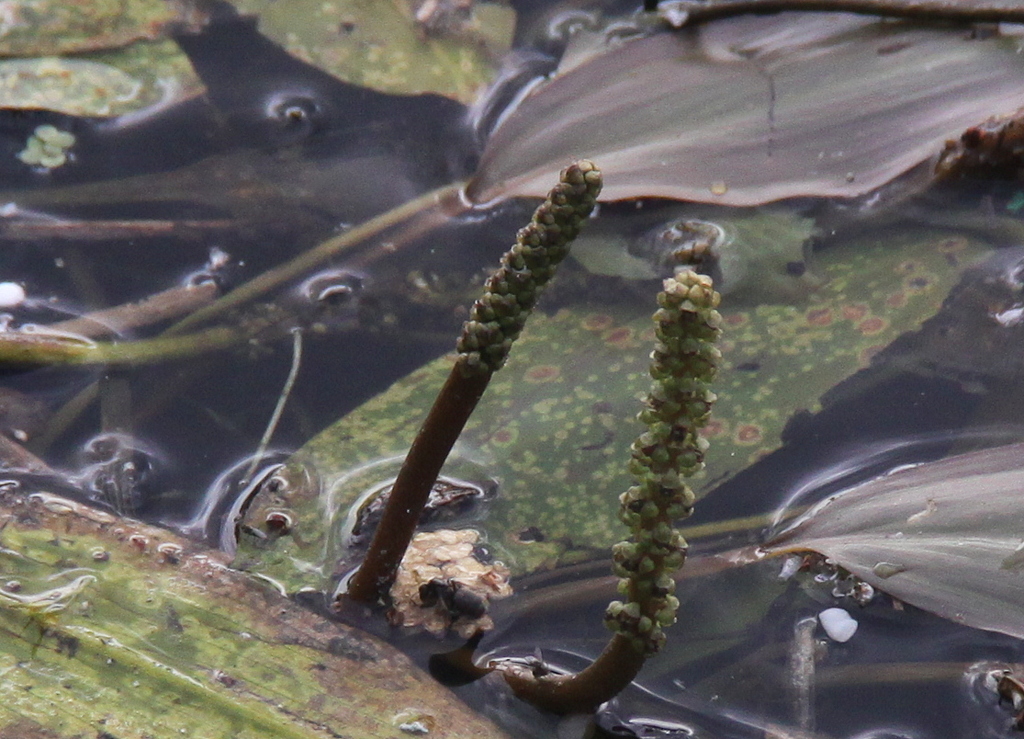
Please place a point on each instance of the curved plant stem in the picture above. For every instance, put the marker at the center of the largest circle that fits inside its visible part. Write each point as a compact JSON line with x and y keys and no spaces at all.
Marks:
{"x":1007,"y":11}
{"x":416,"y":217}
{"x":496,"y":320}
{"x":614,"y":669}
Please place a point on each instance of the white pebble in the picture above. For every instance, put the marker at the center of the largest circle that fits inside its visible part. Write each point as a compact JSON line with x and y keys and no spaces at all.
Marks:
{"x":11,"y":295}
{"x":838,"y":624}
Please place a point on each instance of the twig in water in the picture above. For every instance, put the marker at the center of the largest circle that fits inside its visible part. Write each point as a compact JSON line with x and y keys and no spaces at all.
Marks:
{"x":275,"y":417}
{"x":496,"y":320}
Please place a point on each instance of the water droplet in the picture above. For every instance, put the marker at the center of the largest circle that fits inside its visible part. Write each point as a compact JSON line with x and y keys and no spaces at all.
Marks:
{"x":887,"y":569}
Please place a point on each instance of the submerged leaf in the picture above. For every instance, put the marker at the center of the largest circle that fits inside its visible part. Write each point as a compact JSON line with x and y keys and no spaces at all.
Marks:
{"x":751,"y":110}
{"x":757,"y":255}
{"x":554,"y":428}
{"x":946,"y":536}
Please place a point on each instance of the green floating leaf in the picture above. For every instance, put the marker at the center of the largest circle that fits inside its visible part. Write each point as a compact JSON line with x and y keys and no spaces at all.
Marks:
{"x":384,"y":46}
{"x":113,"y":628}
{"x":946,"y":536}
{"x":751,"y":110}
{"x":106,"y":83}
{"x":554,"y":427}
{"x":51,"y":27}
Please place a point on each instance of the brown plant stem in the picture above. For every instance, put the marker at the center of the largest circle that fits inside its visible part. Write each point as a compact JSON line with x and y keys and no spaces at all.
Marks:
{"x":604,"y":678}
{"x":427,"y":455}
{"x":496,"y":320}
{"x":1008,"y":11}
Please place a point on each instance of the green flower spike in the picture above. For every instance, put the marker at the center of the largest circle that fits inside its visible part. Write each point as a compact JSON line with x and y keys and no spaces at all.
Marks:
{"x":498,"y":317}
{"x":496,"y":320}
{"x":683,"y":364}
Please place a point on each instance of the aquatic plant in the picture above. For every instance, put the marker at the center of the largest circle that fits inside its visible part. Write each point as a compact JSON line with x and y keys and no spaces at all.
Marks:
{"x":496,"y":320}
{"x":683,"y":363}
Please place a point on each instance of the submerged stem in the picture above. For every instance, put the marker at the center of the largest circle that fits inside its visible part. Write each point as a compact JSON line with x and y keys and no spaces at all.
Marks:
{"x":496,"y":320}
{"x":42,"y":347}
{"x":417,"y":216}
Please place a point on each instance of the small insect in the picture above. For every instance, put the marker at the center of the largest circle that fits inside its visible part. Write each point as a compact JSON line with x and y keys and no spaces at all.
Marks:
{"x":457,"y":600}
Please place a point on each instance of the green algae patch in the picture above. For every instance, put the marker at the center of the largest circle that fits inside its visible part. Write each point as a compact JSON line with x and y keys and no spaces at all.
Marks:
{"x":389,"y":46}
{"x":552,"y":433}
{"x":113,"y":628}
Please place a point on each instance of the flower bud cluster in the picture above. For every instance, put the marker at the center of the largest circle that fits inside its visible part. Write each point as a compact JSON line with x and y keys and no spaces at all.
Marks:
{"x":682,"y":365}
{"x":500,"y":314}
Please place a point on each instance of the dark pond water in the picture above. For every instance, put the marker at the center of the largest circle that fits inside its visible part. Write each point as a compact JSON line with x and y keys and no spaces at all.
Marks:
{"x":278,"y":157}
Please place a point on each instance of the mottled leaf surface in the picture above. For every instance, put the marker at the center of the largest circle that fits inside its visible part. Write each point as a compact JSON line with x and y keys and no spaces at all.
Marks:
{"x":751,"y":110}
{"x":113,"y":628}
{"x":945,"y":536}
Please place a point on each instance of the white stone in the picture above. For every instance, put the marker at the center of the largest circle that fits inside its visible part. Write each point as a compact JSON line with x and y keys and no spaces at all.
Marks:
{"x":838,"y":624}
{"x":11,"y":295}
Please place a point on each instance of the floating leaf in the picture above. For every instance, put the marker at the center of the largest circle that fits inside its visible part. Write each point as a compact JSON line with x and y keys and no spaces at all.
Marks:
{"x":114,"y":628}
{"x":107,"y":83}
{"x":50,"y":27}
{"x":382,"y":46}
{"x":946,"y":536}
{"x":751,"y":110}
{"x":554,"y":428}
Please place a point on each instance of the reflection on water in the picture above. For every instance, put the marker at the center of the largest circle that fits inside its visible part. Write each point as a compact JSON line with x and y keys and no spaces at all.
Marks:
{"x":277,"y":157}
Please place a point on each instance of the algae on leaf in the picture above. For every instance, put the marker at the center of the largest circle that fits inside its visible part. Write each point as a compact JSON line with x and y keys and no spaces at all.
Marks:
{"x":114,"y":628}
{"x":95,"y":57}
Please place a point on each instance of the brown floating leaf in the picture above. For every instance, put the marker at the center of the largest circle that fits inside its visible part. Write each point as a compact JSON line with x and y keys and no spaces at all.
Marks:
{"x":945,"y":536}
{"x":751,"y":110}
